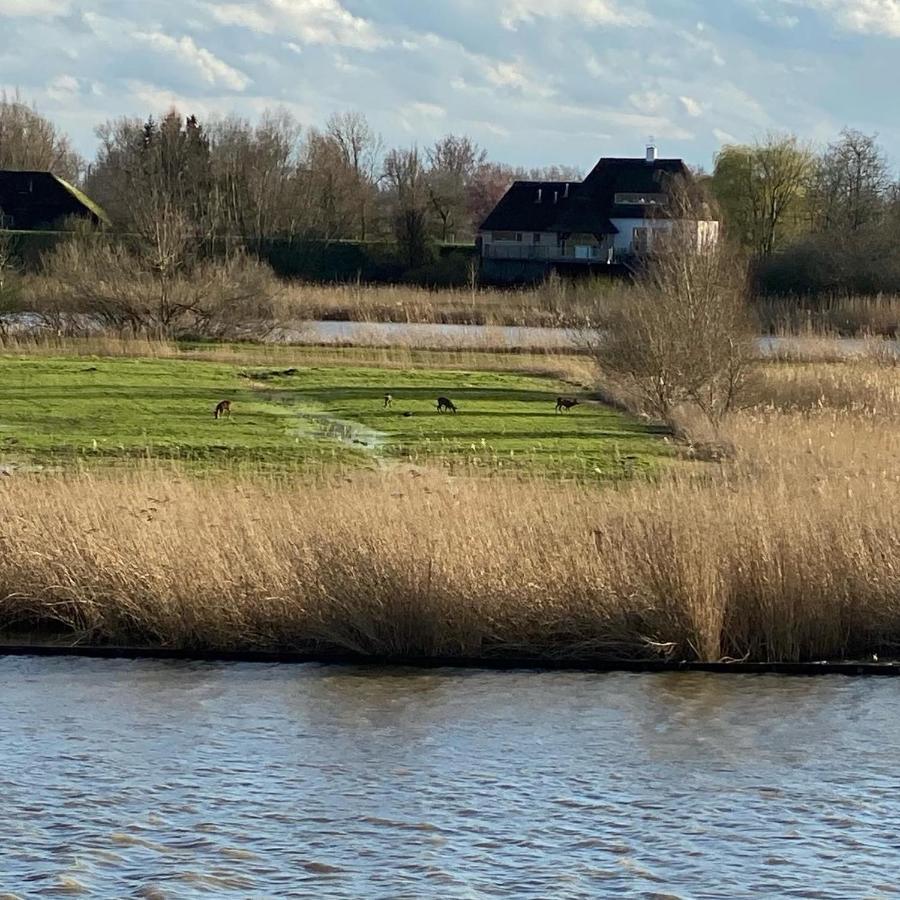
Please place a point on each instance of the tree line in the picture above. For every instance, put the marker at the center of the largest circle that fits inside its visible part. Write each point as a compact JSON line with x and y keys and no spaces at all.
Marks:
{"x":164,"y":178}
{"x":814,"y":221}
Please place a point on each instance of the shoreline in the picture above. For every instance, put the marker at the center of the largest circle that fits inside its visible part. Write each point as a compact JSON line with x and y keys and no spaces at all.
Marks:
{"x":498,"y":663}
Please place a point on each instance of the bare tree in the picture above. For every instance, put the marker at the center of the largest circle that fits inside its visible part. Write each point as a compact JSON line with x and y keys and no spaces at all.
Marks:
{"x":850,"y":184}
{"x":361,"y":149}
{"x":28,"y":140}
{"x":453,"y":162}
{"x":256,"y":177}
{"x":683,"y":335}
{"x":406,"y":179}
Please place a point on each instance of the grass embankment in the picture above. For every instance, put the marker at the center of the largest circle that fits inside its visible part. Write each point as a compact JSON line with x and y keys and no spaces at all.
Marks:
{"x":313,"y":413}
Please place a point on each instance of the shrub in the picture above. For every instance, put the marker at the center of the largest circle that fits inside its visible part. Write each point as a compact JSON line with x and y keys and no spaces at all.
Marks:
{"x":112,"y":285}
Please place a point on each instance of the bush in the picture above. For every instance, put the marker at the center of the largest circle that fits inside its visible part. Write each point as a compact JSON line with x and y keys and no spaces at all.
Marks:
{"x":683,"y":336}
{"x":112,"y":285}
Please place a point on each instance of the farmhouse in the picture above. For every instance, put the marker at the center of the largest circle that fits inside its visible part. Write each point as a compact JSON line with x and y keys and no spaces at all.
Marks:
{"x":608,"y":220}
{"x":32,"y":201}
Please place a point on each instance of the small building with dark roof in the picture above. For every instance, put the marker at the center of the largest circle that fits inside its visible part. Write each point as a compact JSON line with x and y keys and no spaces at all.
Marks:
{"x":608,"y":220}
{"x":40,"y":201}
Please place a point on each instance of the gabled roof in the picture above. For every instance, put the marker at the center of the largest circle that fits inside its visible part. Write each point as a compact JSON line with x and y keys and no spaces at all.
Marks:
{"x":34,"y":200}
{"x":587,"y":206}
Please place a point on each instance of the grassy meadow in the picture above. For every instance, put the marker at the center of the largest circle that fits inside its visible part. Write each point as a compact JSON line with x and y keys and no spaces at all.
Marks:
{"x":317,"y":412}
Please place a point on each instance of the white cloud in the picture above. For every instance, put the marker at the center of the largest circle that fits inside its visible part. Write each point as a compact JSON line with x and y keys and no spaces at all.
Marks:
{"x":584,"y":12}
{"x":649,"y":102}
{"x":516,"y":76}
{"x":64,"y":87}
{"x":691,"y":106}
{"x":863,"y":16}
{"x":309,"y":21}
{"x":427,"y":110}
{"x":34,"y":8}
{"x":213,"y":69}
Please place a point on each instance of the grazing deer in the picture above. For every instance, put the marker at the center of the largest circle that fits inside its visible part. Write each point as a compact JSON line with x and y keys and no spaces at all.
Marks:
{"x":388,"y":400}
{"x":223,"y":408}
{"x":444,"y":404}
{"x":563,"y":403}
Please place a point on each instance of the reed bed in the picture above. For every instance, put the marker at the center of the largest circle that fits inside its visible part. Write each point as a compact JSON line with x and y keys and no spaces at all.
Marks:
{"x":554,"y":302}
{"x":782,"y":554}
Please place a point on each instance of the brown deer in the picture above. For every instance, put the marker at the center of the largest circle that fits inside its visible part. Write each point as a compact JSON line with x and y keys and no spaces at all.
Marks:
{"x":223,"y":408}
{"x":564,"y":403}
{"x":443,"y":405}
{"x":388,"y":400}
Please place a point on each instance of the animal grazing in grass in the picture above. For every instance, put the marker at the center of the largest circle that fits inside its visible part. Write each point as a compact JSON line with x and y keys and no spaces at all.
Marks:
{"x":388,"y":400}
{"x":443,"y":405}
{"x":223,"y":408}
{"x":563,"y":403}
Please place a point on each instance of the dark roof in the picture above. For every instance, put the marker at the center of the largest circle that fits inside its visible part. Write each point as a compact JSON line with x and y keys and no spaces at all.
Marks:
{"x":590,"y":204}
{"x":530,"y":206}
{"x":36,"y":200}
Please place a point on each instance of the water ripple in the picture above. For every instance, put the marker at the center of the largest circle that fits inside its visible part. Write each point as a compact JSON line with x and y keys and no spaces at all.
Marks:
{"x":173,"y":780}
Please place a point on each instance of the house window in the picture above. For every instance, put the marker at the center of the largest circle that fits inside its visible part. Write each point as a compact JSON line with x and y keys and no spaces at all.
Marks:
{"x":536,"y":237}
{"x":508,"y":236}
{"x":640,"y":240}
{"x":640,"y":198}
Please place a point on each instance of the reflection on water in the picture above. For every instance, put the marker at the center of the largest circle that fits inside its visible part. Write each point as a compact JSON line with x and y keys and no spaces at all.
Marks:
{"x":159,"y":779}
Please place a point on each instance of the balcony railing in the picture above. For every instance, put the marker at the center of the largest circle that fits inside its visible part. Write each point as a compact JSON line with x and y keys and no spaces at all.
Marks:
{"x":550,"y":253}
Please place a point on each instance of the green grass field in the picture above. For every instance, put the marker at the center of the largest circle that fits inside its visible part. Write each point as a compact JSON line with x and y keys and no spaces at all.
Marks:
{"x":81,"y":410}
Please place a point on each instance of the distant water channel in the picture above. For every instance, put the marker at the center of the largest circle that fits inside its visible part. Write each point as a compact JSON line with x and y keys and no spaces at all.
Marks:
{"x":178,"y":780}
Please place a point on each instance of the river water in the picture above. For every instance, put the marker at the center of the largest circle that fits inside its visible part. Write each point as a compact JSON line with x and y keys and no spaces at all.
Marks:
{"x":164,"y":779}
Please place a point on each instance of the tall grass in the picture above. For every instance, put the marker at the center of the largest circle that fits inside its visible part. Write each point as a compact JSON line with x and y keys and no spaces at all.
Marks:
{"x":552,"y":303}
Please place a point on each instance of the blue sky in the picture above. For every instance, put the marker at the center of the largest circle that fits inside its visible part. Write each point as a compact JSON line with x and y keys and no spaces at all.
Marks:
{"x":534,"y":81}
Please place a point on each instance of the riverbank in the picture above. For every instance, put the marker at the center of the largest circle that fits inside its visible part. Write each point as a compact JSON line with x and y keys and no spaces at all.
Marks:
{"x":779,"y":547}
{"x":785,"y":565}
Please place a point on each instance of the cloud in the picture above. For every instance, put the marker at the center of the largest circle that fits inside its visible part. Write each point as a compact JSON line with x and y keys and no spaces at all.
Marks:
{"x":34,"y":8}
{"x":862,"y":16}
{"x":213,"y":69}
{"x":691,"y":106}
{"x":63,"y":87}
{"x":309,"y":21}
{"x":585,"y":12}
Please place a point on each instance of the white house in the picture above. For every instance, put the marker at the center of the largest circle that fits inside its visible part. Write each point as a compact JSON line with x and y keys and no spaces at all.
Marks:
{"x":609,"y":218}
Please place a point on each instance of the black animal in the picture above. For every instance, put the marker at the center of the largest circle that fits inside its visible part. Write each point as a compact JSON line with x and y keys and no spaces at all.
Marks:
{"x":563,"y":403}
{"x":388,"y":400}
{"x":443,"y":405}
{"x":223,"y":408}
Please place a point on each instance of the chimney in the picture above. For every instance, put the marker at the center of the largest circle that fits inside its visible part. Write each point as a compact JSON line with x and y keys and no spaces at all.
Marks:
{"x":556,"y":196}
{"x":651,"y":153}
{"x":539,"y":195}
{"x":566,"y":192}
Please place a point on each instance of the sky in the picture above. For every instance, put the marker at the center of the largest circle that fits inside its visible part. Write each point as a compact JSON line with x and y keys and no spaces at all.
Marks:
{"x":535,"y":82}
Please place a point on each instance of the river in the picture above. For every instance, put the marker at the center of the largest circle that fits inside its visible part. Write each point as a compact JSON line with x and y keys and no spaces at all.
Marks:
{"x":180,"y":780}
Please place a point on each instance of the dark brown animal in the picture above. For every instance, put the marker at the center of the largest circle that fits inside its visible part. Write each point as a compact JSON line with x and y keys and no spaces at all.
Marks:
{"x":223,"y":408}
{"x":444,"y":405}
{"x":388,"y":400}
{"x":563,"y":403}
